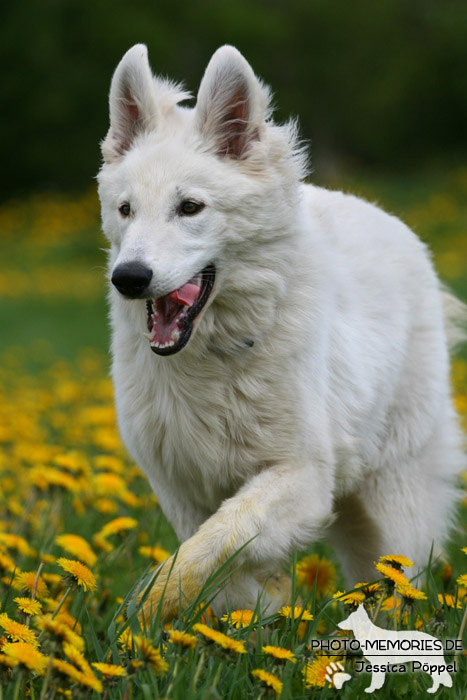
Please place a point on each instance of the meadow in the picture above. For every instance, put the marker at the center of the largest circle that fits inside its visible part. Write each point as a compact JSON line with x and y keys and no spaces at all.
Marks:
{"x":79,"y":525}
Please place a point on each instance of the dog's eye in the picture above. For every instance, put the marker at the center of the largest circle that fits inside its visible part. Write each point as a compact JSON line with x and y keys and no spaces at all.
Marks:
{"x":124,"y":209}
{"x":188,"y":207}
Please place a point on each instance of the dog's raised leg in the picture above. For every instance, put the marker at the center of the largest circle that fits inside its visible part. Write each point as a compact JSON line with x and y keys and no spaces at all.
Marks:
{"x":282,"y":508}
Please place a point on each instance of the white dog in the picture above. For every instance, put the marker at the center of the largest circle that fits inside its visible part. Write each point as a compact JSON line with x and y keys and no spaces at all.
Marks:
{"x":280,"y":352}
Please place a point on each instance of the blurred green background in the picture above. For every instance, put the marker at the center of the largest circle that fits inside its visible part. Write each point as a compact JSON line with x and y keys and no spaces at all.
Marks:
{"x":375,"y":83}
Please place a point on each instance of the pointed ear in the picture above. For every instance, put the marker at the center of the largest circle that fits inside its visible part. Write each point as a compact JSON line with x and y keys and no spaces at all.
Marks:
{"x":232,"y":104}
{"x":132,"y":102}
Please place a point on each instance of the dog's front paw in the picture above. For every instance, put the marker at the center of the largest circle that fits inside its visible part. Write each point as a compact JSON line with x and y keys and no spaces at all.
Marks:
{"x":174,"y":586}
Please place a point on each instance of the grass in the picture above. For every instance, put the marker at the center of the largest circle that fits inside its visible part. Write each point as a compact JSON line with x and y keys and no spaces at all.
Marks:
{"x":63,"y":471}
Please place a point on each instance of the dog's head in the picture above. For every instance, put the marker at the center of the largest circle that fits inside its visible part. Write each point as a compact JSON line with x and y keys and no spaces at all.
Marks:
{"x":184,"y":191}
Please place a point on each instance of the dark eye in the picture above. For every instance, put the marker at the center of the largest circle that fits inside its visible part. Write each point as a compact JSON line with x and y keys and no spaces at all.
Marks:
{"x":124,"y":209}
{"x":188,"y":207}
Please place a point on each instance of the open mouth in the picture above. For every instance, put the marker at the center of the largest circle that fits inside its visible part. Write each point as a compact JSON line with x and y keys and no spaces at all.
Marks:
{"x":171,"y":317}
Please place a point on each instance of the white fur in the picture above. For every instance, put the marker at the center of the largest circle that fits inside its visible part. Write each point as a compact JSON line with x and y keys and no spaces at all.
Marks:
{"x":338,"y":421}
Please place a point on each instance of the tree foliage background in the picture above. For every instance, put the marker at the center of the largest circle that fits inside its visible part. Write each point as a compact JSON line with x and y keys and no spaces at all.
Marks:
{"x":380,"y":84}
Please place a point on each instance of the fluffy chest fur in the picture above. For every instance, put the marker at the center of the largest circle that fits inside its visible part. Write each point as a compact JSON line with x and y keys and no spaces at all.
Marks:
{"x":203,"y":426}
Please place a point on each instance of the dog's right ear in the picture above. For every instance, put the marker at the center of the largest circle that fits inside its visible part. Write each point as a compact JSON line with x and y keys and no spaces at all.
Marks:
{"x":132,"y":102}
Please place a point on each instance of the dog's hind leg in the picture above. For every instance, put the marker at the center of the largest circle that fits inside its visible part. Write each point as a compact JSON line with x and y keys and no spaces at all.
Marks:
{"x":415,"y":498}
{"x":408,"y":504}
{"x":404,"y":507}
{"x":356,"y":536}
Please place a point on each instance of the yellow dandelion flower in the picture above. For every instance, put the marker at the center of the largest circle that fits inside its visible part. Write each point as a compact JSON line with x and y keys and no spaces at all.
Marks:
{"x":106,"y":506}
{"x":410,"y":593}
{"x":55,"y":628}
{"x":151,"y":655}
{"x":30,"y":606}
{"x":268,"y":679}
{"x":449,"y":600}
{"x":78,"y":547}
{"x":72,"y":461}
{"x":79,"y":573}
{"x":296,"y":611}
{"x":126,"y":638}
{"x":6,"y":564}
{"x":46,"y":477}
{"x":66,"y":669}
{"x":8,"y":661}
{"x":130,"y":499}
{"x":369,"y":589}
{"x":280,"y":653}
{"x":392,"y":574}
{"x":182,"y":639}
{"x":220,"y":639}
{"x":314,"y":570}
{"x":157,"y":554}
{"x":462,"y":580}
{"x":89,"y":680}
{"x":109,"y":484}
{"x":207,"y":614}
{"x":63,"y":615}
{"x":110,"y":463}
{"x":16,"y":631}
{"x":107,"y":439}
{"x":102,"y":544}
{"x":118,"y":526}
{"x":26,"y":655}
{"x":110,"y":671}
{"x":240,"y":618}
{"x":397,"y":561}
{"x":388,"y":604}
{"x":12,"y":541}
{"x":464,"y":549}
{"x":352,"y":598}
{"x":76,"y":657}
{"x":52,"y":579}
{"x":48,"y":558}
{"x":315,"y":673}
{"x":26,"y":580}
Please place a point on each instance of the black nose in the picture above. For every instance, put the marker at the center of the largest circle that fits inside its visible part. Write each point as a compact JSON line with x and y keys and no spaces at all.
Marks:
{"x":131,"y":279}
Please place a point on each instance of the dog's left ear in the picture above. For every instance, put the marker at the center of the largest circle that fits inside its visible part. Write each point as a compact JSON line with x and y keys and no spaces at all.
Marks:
{"x":132,"y":102}
{"x":232,"y":104}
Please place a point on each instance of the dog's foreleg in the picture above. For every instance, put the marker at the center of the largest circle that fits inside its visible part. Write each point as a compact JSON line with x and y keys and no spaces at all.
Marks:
{"x":282,"y":508}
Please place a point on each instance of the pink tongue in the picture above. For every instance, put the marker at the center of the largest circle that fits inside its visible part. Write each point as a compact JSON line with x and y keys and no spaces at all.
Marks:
{"x":187,"y":294}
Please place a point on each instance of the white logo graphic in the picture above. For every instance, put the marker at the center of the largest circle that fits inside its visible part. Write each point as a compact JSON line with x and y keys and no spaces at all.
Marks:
{"x":392,"y":651}
{"x":335,"y":675}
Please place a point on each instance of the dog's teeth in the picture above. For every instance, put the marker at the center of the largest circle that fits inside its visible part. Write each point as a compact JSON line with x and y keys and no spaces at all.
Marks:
{"x":186,"y":307}
{"x":175,"y":336}
{"x":147,"y":335}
